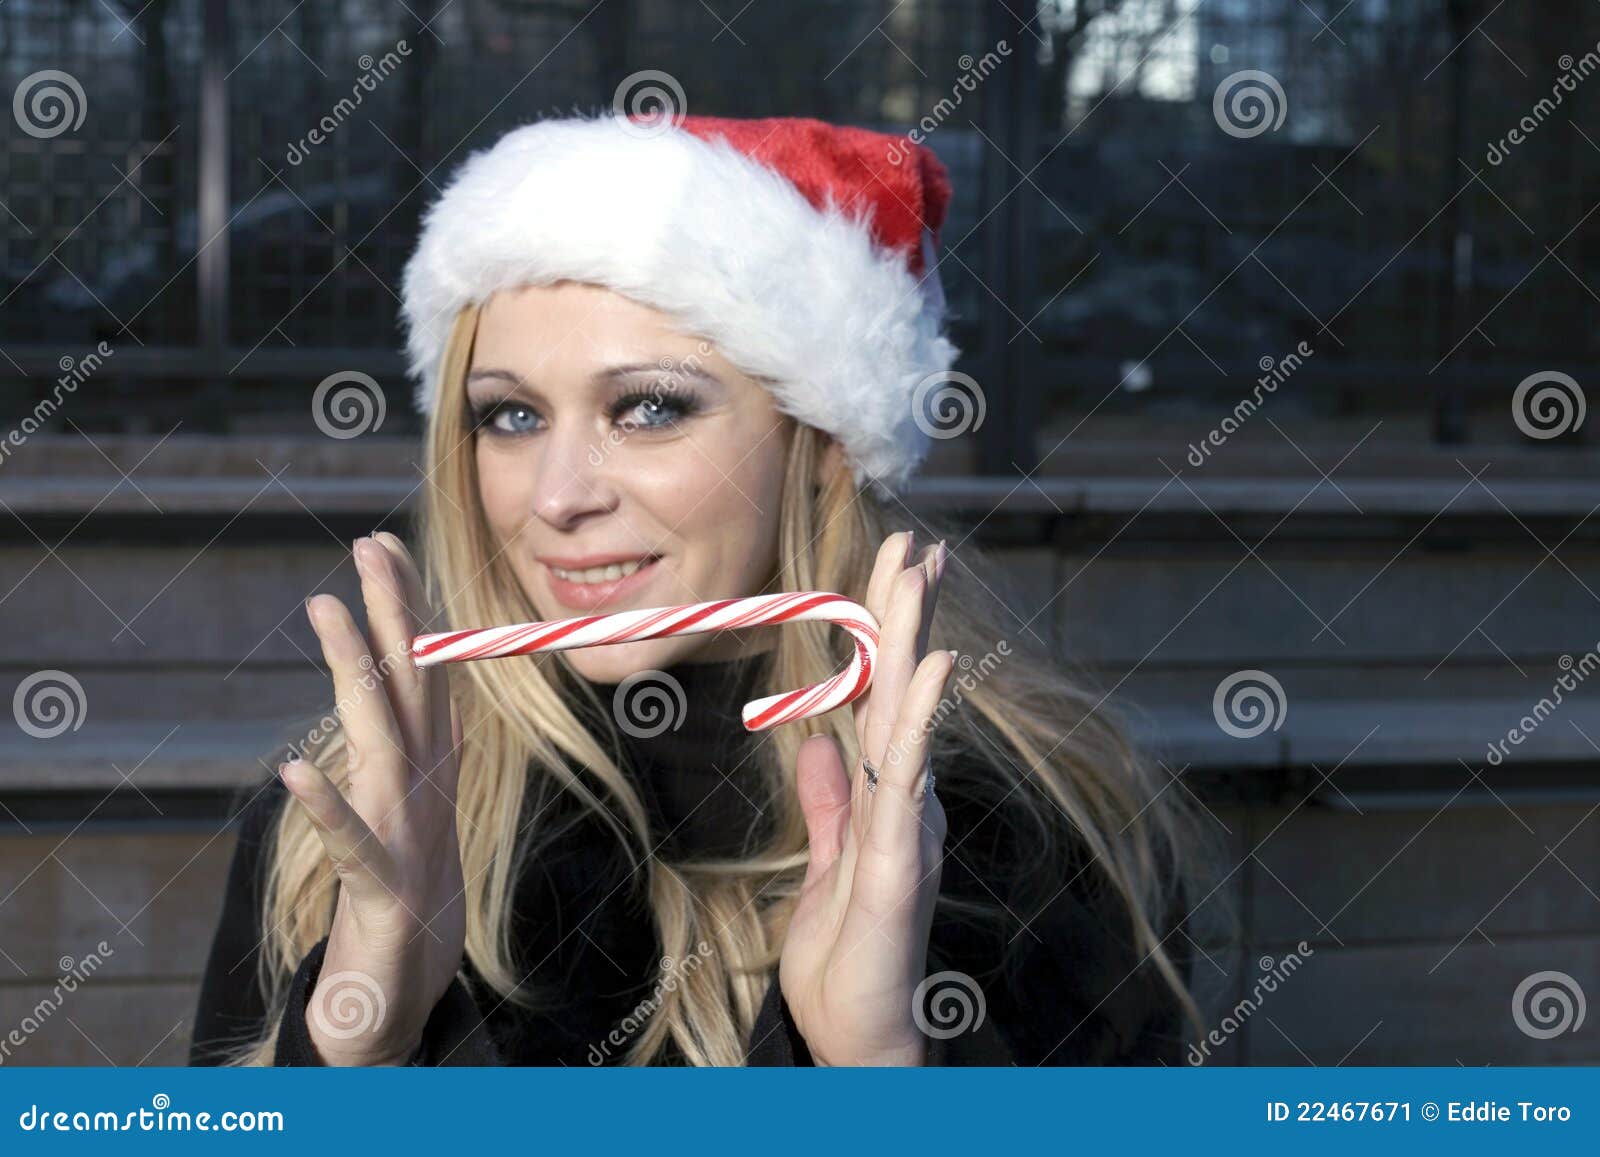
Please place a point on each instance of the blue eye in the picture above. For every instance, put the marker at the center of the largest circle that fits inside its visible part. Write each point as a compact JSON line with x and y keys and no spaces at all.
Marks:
{"x":506,"y":418}
{"x":652,"y":411}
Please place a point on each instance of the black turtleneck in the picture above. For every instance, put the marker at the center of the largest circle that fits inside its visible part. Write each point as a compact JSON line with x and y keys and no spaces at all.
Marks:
{"x":587,"y":947}
{"x":687,"y":753}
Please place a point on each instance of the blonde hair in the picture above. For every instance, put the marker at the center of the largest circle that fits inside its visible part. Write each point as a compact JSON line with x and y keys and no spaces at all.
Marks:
{"x":1020,"y":733}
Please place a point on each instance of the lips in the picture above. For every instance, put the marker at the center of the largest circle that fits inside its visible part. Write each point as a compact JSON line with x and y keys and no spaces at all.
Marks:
{"x":609,"y":591}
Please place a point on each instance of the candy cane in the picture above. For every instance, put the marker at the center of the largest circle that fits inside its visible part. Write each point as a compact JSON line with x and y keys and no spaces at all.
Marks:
{"x":693,"y":619}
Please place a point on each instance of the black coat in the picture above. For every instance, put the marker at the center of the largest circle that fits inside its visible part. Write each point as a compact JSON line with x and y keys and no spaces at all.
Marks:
{"x":1074,"y":992}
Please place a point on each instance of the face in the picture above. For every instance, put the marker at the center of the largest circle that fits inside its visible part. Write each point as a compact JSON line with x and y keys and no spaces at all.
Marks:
{"x":623,"y":464}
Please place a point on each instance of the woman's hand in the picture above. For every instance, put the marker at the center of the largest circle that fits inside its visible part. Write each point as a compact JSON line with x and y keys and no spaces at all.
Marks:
{"x":857,"y":945}
{"x":399,"y":927}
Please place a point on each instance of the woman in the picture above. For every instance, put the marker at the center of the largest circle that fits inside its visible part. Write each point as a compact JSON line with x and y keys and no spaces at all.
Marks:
{"x":664,"y":363}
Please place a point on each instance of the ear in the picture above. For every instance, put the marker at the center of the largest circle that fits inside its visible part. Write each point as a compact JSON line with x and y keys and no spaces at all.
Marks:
{"x":829,"y":462}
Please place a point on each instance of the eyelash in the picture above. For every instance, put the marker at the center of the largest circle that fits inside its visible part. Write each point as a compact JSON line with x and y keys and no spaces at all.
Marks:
{"x":683,"y":402}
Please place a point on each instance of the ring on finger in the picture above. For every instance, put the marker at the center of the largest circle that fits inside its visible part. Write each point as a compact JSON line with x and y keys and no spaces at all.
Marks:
{"x":872,"y":776}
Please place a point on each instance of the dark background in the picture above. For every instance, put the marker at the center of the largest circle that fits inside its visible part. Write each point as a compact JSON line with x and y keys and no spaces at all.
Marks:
{"x":1382,"y":539}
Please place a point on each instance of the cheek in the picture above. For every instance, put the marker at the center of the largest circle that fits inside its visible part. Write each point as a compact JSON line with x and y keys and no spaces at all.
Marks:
{"x":503,"y":491}
{"x":730,"y":498}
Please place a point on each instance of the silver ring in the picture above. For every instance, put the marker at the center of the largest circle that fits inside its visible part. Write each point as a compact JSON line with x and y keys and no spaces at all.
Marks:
{"x":872,"y":774}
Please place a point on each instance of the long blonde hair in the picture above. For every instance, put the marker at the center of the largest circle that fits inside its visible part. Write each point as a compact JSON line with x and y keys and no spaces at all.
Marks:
{"x":1025,"y":735}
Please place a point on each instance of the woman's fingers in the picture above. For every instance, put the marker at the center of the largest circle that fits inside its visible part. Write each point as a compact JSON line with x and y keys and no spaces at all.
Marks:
{"x":824,"y":790}
{"x":895,"y":825}
{"x":357,"y":854}
{"x":898,"y":656}
{"x":435,"y":678}
{"x":378,"y":777}
{"x":893,"y":556}
{"x":934,"y":559}
{"x":392,"y":627}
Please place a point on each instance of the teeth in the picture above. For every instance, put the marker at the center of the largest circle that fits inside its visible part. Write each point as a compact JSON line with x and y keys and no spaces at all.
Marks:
{"x":599,"y":574}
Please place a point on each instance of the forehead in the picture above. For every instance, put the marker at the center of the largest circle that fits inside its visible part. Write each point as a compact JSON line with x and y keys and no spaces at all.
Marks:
{"x":572,"y":328}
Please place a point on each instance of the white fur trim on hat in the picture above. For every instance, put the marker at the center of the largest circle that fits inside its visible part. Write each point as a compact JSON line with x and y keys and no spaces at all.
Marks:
{"x":728,"y":247}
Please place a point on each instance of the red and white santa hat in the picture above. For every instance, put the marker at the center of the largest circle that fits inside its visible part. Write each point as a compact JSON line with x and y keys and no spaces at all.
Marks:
{"x":804,"y":251}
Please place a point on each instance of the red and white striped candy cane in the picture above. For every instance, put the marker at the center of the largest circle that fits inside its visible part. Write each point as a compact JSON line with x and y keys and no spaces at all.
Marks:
{"x":693,"y":619}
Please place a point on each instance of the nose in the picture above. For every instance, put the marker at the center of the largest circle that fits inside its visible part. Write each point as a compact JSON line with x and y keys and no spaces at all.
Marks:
{"x":570,"y":481}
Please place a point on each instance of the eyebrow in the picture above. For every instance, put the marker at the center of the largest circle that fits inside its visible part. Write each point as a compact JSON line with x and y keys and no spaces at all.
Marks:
{"x":600,"y":377}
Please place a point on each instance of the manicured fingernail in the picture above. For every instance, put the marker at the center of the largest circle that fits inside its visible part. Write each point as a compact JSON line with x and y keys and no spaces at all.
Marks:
{"x":944,"y":554}
{"x":911,"y":545}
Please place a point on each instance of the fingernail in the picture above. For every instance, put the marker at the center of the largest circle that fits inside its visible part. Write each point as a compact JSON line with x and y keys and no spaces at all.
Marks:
{"x":944,"y":554}
{"x":309,"y":615}
{"x":911,"y":545}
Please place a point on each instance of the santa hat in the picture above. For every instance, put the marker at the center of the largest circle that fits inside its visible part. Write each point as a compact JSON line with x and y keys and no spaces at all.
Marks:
{"x":803,"y":250}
